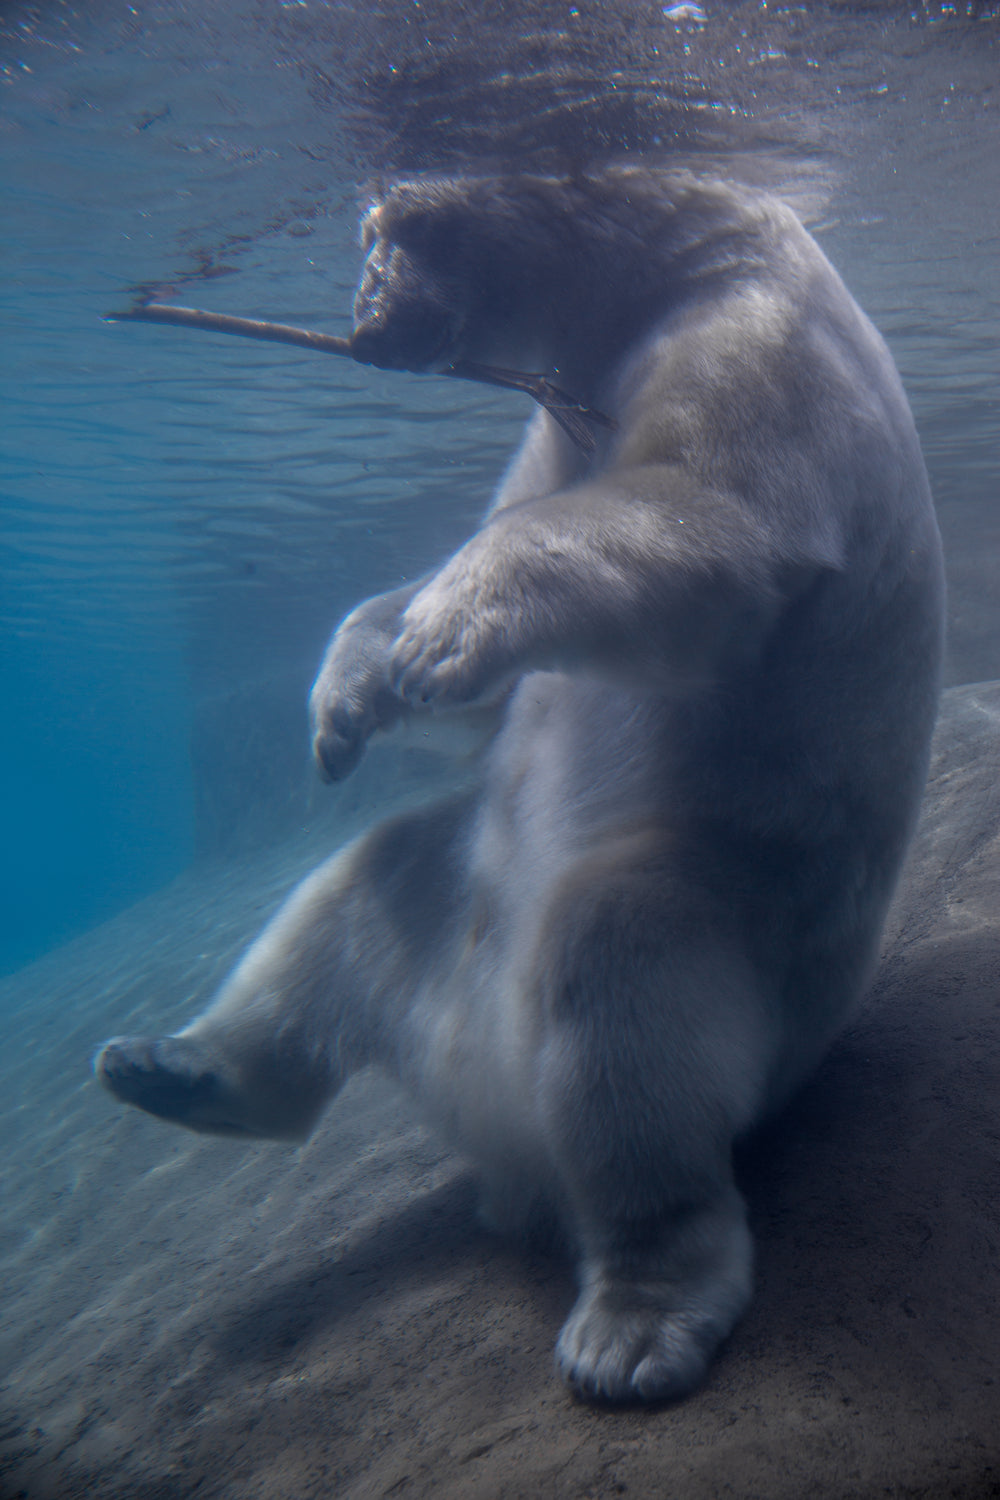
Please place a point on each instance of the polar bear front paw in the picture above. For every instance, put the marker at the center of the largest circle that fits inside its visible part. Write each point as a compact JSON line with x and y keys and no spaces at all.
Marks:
{"x":459,"y":642}
{"x":341,"y":730}
{"x":351,"y":698}
{"x":439,"y":661}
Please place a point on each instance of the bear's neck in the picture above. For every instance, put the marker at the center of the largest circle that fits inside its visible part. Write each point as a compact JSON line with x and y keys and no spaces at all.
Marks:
{"x":584,"y":310}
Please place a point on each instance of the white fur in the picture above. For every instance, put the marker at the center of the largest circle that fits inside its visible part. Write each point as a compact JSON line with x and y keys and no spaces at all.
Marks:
{"x":720,"y":638}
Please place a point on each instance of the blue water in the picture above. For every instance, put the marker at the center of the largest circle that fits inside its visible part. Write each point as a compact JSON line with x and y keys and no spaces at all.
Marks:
{"x":185,"y":518}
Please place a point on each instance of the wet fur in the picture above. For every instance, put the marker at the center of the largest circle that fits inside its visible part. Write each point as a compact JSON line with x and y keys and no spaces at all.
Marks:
{"x":719,"y":639}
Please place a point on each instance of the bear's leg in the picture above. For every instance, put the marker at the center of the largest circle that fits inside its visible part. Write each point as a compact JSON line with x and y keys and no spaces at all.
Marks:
{"x":656,"y":1053}
{"x":319,"y":994}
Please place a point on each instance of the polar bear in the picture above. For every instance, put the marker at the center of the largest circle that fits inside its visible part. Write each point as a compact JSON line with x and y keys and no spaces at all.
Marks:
{"x":713,"y":645}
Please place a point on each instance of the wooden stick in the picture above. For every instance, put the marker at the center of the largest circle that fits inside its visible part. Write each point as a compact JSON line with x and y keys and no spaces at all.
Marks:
{"x":245,"y":328}
{"x":573,"y":417}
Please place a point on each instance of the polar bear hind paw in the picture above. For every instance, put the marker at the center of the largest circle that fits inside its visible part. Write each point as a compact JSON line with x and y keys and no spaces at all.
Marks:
{"x":624,"y":1344}
{"x":167,"y":1076}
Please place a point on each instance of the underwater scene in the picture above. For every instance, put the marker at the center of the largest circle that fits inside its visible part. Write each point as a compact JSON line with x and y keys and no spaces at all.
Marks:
{"x":330,"y":1286}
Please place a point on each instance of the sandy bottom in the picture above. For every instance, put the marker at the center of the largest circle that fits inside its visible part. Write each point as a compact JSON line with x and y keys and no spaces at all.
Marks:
{"x":190,"y":1317}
